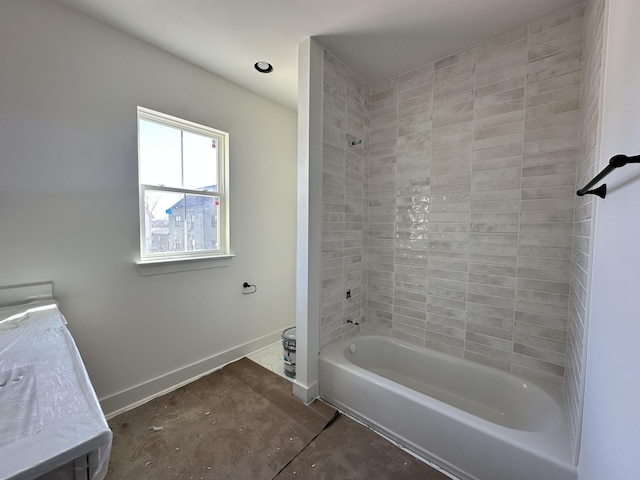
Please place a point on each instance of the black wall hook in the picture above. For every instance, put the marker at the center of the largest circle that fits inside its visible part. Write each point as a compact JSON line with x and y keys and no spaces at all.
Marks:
{"x":248,"y":285}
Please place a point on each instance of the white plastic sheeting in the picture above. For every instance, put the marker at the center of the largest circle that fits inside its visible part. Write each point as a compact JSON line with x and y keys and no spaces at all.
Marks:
{"x":49,"y":412}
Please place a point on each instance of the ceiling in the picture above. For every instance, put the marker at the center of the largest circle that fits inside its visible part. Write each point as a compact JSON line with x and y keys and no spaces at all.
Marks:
{"x":377,"y":38}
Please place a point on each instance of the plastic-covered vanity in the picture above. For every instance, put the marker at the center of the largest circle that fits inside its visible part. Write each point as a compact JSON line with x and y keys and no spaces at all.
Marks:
{"x":52,"y":426}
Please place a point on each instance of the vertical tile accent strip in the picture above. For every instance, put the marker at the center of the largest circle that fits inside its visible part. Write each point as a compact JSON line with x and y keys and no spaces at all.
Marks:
{"x":495,"y":197}
{"x":412,"y":189}
{"x":547,"y":190}
{"x":588,"y":153}
{"x":451,"y":152}
{"x":333,"y":214}
{"x":345,"y":190}
{"x":381,"y":230}
{"x":357,"y":141}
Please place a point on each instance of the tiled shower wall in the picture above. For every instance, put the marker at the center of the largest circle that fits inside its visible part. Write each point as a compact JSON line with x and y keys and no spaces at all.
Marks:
{"x":584,"y":211}
{"x":477,"y":153}
{"x":468,"y":170}
{"x":345,"y":190}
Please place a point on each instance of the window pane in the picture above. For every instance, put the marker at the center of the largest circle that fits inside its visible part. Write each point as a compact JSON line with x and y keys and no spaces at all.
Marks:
{"x":160,"y":154}
{"x":200,"y":156}
{"x":202,"y":222}
{"x":164,"y":221}
{"x":182,"y":174}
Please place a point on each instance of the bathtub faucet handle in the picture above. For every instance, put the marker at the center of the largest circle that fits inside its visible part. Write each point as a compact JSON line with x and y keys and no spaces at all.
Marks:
{"x":351,"y":321}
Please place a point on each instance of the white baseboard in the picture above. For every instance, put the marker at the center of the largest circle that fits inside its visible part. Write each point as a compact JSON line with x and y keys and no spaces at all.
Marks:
{"x":306,"y":393}
{"x":130,"y":398}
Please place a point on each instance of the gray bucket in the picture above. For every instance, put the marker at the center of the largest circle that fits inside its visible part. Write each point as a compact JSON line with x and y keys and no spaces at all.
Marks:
{"x":289,"y":349}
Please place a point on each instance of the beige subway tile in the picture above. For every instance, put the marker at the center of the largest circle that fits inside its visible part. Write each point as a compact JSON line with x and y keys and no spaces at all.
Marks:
{"x":541,"y":320}
{"x":440,"y":140}
{"x":462,"y":59}
{"x":487,"y":351}
{"x":418,"y":93}
{"x":487,"y":360}
{"x":494,"y":327}
{"x":538,"y":364}
{"x":499,"y":141}
{"x":500,"y":86}
{"x":566,"y":132}
{"x":545,"y":298}
{"x":496,"y":164}
{"x":541,"y":331}
{"x":499,"y":98}
{"x":464,"y":82}
{"x":572,"y":28}
{"x":561,"y":81}
{"x":514,"y":106}
{"x":500,"y":53}
{"x":564,"y":191}
{"x":554,"y":65}
{"x":497,"y":184}
{"x":506,"y":64}
{"x":549,"y":169}
{"x":559,"y":19}
{"x":416,"y":77}
{"x":539,"y":308}
{"x":554,"y":357}
{"x":493,"y":76}
{"x":560,"y":119}
{"x":446,"y":327}
{"x":440,"y":324}
{"x":502,"y":40}
{"x":553,"y":96}
{"x":566,"y":41}
{"x":484,"y":289}
{"x":489,"y":198}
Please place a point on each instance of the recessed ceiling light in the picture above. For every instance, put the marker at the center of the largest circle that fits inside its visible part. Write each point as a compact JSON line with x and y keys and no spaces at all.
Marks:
{"x":263,"y":67}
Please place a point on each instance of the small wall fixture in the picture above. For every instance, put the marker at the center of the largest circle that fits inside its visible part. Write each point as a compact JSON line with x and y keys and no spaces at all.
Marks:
{"x":246,"y":285}
{"x":263,"y":67}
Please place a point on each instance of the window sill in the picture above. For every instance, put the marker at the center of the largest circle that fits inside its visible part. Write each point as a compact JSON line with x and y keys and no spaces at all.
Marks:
{"x":160,"y":267}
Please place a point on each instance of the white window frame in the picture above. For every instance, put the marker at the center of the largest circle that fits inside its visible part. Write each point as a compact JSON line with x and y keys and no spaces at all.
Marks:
{"x":193,"y":259}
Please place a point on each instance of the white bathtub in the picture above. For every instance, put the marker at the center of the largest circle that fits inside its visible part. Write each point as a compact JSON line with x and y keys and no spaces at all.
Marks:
{"x":477,"y":422}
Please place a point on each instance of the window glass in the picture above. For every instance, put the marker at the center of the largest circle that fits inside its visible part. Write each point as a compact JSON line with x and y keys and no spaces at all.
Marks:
{"x":163,"y":223}
{"x":200,"y":157}
{"x":202,"y":231}
{"x":159,"y":154}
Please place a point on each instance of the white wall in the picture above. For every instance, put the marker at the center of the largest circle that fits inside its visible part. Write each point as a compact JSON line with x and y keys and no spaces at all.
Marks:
{"x":309,"y":234}
{"x":69,"y":87}
{"x":611,"y":425}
